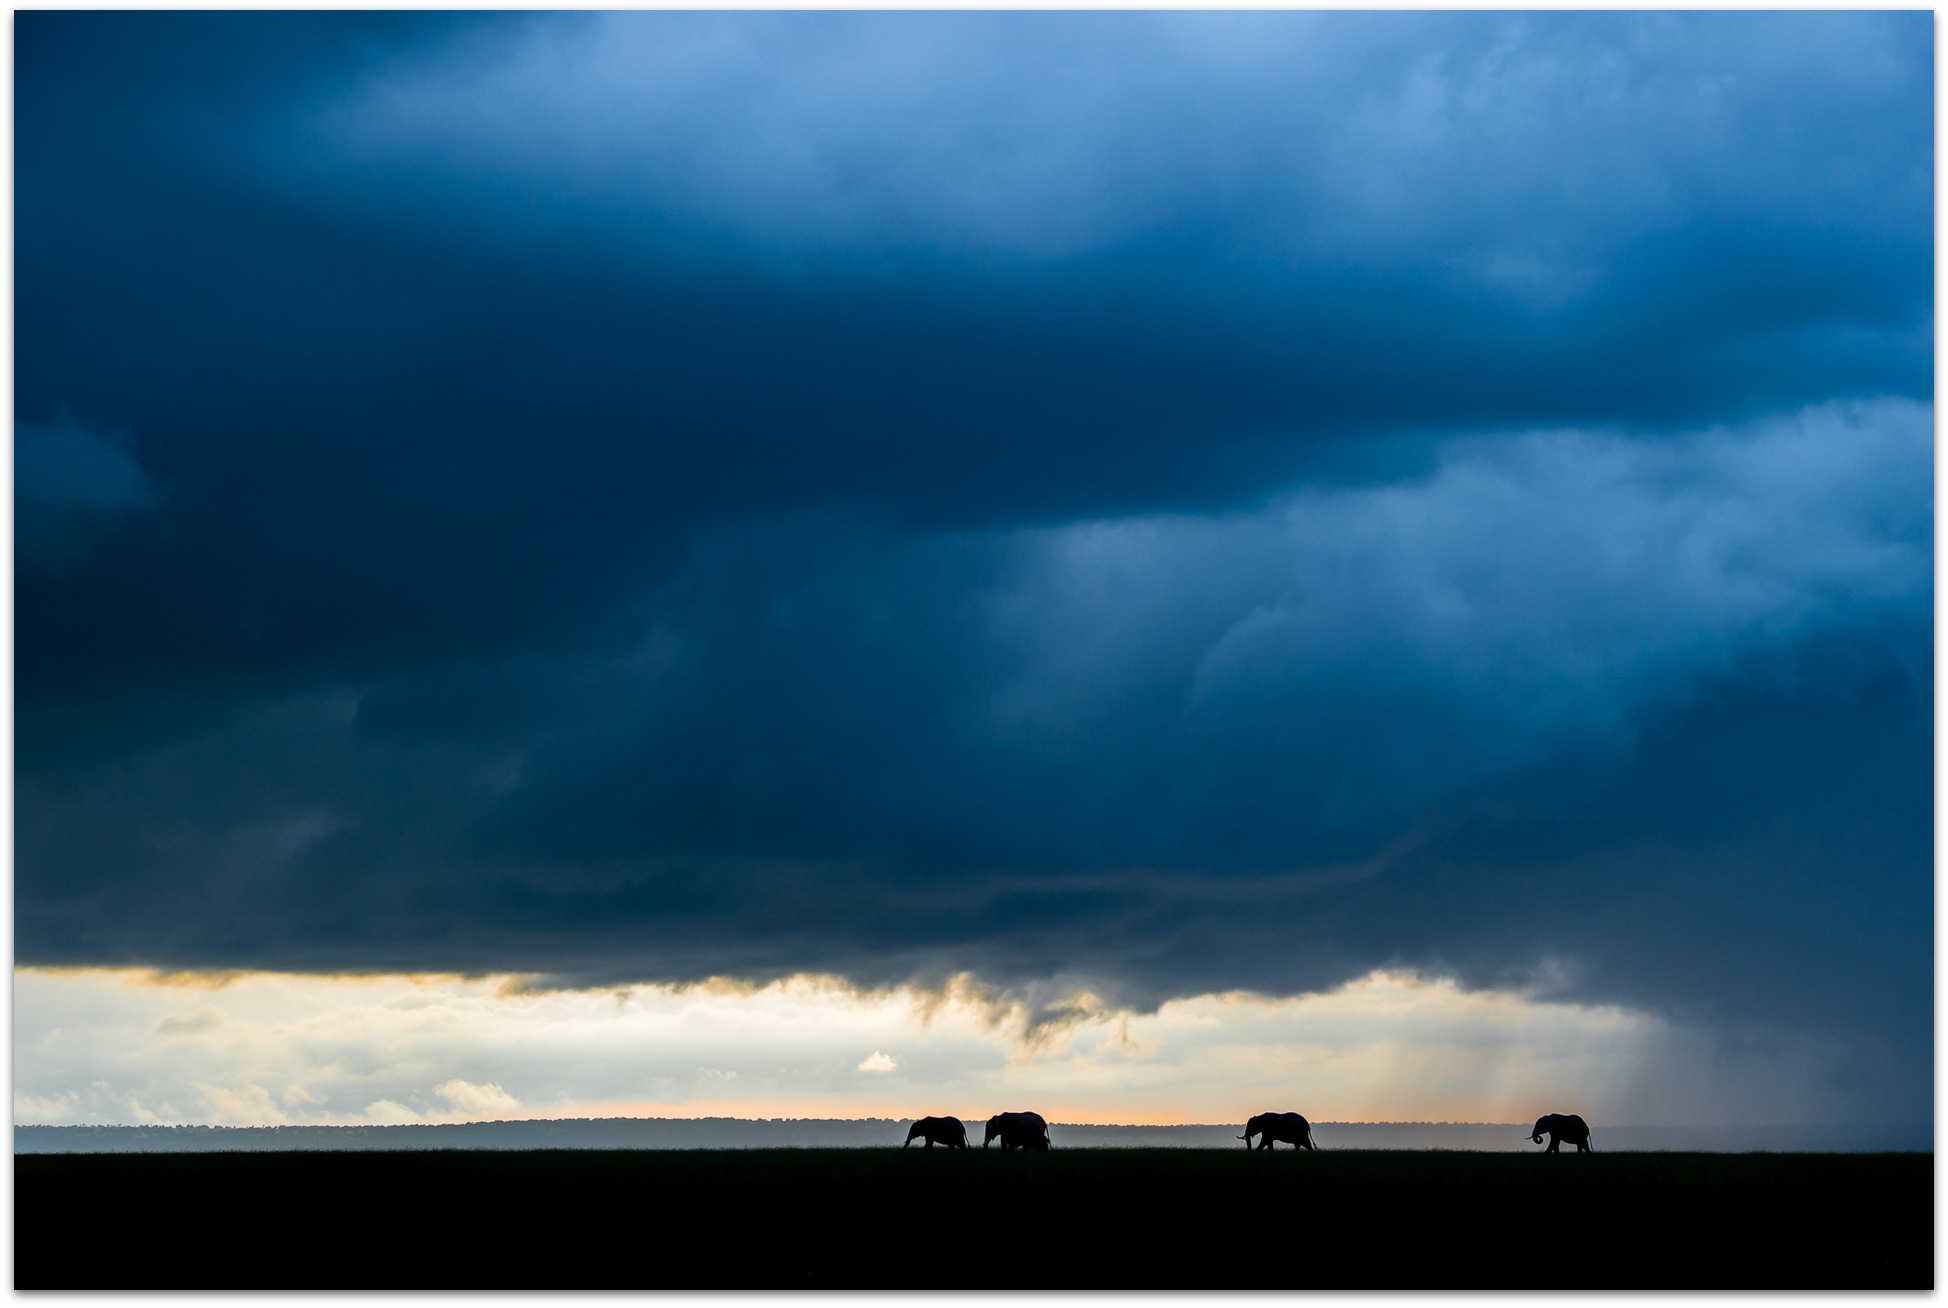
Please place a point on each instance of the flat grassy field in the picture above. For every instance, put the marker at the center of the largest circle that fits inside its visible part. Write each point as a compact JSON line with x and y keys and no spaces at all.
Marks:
{"x":860,"y":1218}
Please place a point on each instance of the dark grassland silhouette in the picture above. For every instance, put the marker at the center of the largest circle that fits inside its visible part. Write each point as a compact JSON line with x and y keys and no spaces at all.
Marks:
{"x":944,"y":1130}
{"x":1289,"y":1128}
{"x":1561,"y":1127}
{"x":1017,"y":1131}
{"x":1116,"y":1218}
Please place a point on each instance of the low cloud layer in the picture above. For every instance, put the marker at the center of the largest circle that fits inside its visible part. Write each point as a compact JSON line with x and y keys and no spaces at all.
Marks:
{"x":1153,"y":505}
{"x":262,"y":1050}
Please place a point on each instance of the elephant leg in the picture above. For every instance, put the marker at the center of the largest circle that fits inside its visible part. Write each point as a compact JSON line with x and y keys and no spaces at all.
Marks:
{"x":1555,"y":1146}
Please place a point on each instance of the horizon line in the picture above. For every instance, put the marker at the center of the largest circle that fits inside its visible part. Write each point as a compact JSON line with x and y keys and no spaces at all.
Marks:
{"x":1147,"y":1126}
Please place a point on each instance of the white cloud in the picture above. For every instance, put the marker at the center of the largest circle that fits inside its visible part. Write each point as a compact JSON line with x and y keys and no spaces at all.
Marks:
{"x":410,"y":1049}
{"x":478,"y":1100}
{"x":384,"y":1112}
{"x":51,"y":1109}
{"x":202,"y":1019}
{"x":239,"y":1105}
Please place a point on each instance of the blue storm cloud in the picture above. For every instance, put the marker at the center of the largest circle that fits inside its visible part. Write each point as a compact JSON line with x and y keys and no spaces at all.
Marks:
{"x":70,"y":486}
{"x":1518,"y":150}
{"x":1186,"y":501}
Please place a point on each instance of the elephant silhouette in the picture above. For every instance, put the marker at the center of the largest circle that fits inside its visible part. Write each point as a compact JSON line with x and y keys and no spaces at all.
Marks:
{"x":944,"y":1130}
{"x":1017,"y":1130}
{"x":1560,"y":1127}
{"x":1288,"y":1127}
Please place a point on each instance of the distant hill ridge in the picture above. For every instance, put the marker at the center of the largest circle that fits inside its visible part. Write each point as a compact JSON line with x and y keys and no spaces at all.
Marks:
{"x":871,"y":1132}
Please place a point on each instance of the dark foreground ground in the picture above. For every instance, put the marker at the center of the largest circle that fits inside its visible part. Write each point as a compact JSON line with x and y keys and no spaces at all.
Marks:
{"x":855,"y":1218}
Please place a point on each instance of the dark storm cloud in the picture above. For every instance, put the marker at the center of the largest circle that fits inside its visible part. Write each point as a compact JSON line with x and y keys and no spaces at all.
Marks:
{"x":70,"y":486}
{"x":1181,"y":501}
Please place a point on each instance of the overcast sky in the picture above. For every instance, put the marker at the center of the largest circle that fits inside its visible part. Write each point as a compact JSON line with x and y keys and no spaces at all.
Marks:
{"x":1140,"y":504}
